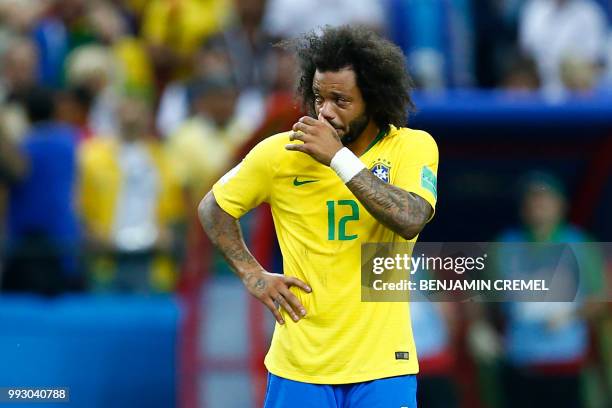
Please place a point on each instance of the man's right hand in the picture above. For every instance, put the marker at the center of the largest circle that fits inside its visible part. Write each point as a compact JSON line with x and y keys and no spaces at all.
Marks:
{"x":271,"y":287}
{"x":224,"y":232}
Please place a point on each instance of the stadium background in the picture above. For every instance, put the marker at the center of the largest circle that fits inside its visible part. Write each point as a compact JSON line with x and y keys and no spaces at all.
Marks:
{"x":161,"y":321}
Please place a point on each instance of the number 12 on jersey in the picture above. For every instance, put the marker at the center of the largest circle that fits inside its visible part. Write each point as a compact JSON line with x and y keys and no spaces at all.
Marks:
{"x":331,"y":220}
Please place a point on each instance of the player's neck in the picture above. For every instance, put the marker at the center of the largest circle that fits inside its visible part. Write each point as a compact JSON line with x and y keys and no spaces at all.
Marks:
{"x":365,"y":139}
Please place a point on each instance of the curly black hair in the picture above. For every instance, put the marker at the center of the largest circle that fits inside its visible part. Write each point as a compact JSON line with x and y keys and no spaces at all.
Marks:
{"x":379,"y":66}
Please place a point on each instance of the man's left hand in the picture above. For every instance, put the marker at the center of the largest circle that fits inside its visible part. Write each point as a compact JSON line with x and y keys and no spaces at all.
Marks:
{"x":321,"y":141}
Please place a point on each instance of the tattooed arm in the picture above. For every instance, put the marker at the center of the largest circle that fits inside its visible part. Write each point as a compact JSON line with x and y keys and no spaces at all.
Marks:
{"x":225,"y":233}
{"x":403,"y":212}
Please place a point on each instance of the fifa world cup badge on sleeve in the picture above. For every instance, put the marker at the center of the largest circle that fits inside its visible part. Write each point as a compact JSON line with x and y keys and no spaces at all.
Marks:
{"x":429,"y":180}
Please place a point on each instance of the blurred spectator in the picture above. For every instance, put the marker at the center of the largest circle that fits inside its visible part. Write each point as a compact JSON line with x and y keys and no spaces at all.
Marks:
{"x":202,"y":149}
{"x":52,"y":34}
{"x":19,"y":16}
{"x":95,"y":68}
{"x":496,"y":29}
{"x":73,"y":107}
{"x":437,"y":39}
{"x":42,"y":236}
{"x":249,"y":45}
{"x":546,"y":344}
{"x":212,"y":60}
{"x":558,"y":32}
{"x":282,"y":108}
{"x":8,"y":149}
{"x":72,"y":14}
{"x":174,"y":29}
{"x":607,"y":77}
{"x":19,"y":73}
{"x":173,"y":108}
{"x":521,"y":75}
{"x":18,"y":67}
{"x":249,"y":50}
{"x":32,"y":18}
{"x":579,"y":76}
{"x":289,"y":18}
{"x":131,"y":205}
{"x":131,"y":12}
{"x":110,"y":29}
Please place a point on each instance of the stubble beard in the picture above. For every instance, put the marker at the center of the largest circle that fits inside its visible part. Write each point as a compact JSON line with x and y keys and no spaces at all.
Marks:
{"x":356,"y":128}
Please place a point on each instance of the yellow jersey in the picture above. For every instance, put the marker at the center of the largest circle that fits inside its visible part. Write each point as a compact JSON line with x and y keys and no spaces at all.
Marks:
{"x":320,"y":227}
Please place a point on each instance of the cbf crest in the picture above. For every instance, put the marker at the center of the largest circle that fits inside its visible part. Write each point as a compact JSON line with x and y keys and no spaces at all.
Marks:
{"x":381,"y":169}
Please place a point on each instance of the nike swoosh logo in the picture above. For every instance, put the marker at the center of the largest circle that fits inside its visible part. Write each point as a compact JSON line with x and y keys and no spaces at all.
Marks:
{"x":297,"y":182}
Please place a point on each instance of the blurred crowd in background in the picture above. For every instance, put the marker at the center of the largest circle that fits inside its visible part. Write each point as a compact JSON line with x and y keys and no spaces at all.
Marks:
{"x":136,"y":107}
{"x":116,"y":117}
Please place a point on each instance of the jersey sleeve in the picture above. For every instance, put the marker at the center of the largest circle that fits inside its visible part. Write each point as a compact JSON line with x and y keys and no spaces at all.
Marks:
{"x":249,"y":183}
{"x":417,"y":170}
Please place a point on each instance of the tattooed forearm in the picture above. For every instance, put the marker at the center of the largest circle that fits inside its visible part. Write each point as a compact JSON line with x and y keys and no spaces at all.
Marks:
{"x":225,"y":233}
{"x":401,"y":211}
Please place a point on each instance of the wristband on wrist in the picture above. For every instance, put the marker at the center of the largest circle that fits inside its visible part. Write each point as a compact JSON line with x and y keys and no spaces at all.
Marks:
{"x":346,"y":164}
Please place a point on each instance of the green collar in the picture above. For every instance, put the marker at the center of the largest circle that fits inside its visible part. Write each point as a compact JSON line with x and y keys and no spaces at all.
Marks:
{"x":377,"y":139}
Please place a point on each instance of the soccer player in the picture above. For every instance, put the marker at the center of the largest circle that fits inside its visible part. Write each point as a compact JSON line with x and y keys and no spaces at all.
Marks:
{"x":347,"y":174}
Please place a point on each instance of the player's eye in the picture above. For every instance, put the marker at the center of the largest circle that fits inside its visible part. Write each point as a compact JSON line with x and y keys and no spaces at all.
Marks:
{"x":342,"y":101}
{"x":318,"y":100}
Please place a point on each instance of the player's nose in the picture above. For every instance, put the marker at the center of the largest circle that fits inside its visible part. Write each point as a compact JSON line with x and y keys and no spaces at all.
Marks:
{"x":327,"y":112}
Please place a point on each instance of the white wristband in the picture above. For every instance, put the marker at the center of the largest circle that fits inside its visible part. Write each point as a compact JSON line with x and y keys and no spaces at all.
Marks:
{"x":346,"y":164}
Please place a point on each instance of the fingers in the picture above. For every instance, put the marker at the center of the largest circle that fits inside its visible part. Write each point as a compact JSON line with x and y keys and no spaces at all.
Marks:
{"x":279,"y":295}
{"x":307,"y":127}
{"x":297,"y":136}
{"x":294,"y":302}
{"x":270,"y":305}
{"x":306,"y":124}
{"x":296,"y":282}
{"x":302,"y":127}
{"x":308,"y":120}
{"x":297,"y":148}
{"x":281,"y":299}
